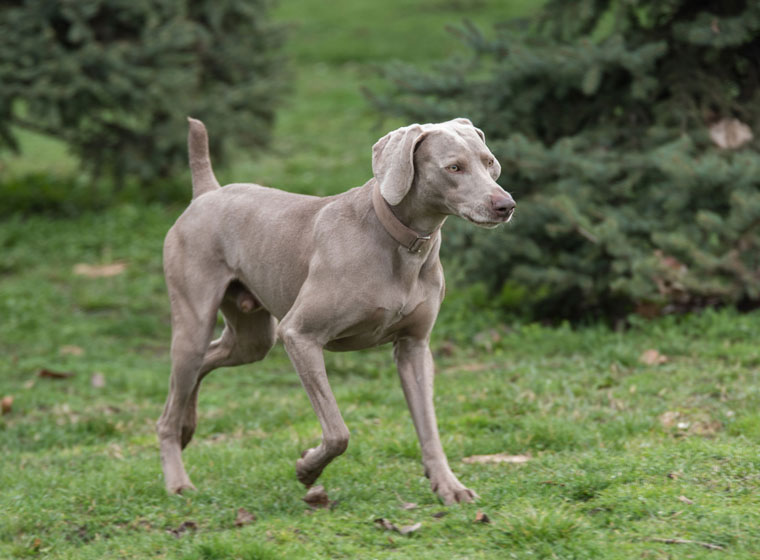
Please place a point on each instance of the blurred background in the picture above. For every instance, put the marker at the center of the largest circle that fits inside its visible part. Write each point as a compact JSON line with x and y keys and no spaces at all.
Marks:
{"x":625,"y":129}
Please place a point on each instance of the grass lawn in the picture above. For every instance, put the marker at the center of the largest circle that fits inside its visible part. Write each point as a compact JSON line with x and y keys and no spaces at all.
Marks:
{"x":621,"y":452}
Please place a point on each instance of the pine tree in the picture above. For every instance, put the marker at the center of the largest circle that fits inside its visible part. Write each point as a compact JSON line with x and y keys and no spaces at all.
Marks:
{"x":627,"y":133}
{"x":116,"y":79}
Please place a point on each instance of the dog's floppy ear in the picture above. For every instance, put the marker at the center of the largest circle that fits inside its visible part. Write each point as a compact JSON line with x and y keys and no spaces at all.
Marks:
{"x":393,"y":162}
{"x":468,"y":122}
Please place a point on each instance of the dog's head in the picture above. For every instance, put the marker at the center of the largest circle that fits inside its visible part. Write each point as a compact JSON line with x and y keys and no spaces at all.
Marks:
{"x":448,"y":165}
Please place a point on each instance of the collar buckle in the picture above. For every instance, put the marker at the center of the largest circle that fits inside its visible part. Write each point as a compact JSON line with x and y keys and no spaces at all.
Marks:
{"x":419,"y":243}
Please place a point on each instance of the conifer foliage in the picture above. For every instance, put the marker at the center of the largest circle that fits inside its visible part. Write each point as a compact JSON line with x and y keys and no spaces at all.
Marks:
{"x":628,"y":134}
{"x":115,"y":79}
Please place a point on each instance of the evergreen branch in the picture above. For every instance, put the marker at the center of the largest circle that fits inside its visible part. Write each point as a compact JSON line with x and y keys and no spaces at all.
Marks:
{"x":36,"y":127}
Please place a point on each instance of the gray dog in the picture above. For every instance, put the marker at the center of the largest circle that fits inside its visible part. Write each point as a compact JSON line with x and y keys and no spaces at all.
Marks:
{"x":343,"y":272}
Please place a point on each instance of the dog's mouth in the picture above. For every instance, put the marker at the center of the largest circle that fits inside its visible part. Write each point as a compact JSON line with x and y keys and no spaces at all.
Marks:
{"x":491,"y":222}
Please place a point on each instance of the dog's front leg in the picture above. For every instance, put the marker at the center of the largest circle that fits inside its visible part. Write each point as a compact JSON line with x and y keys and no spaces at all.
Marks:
{"x":308,"y":359}
{"x":415,"y":368}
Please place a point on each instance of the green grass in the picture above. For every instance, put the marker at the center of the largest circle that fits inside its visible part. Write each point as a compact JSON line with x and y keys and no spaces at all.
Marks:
{"x":81,"y":477}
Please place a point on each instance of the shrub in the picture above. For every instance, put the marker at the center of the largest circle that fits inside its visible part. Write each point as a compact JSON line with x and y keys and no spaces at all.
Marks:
{"x":115,"y":79}
{"x":624,"y":133}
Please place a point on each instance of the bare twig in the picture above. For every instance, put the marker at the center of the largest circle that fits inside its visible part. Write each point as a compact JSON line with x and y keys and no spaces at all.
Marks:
{"x":685,"y":541}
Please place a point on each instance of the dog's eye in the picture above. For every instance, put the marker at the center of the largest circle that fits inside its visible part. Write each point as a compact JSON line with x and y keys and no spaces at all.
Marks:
{"x":454,"y":168}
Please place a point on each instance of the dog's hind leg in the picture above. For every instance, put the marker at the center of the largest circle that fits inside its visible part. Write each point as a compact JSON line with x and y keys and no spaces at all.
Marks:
{"x":247,"y":337}
{"x":195,"y":299}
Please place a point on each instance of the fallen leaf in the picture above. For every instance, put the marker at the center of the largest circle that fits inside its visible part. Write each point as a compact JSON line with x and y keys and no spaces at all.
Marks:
{"x":184,"y":526}
{"x":707,"y":545}
{"x":497,"y":458}
{"x":652,"y":357}
{"x":98,"y":380}
{"x":685,"y":500}
{"x":29,"y":384}
{"x":730,"y":133}
{"x":114,"y":451}
{"x":440,"y":514}
{"x":49,"y":374}
{"x":481,"y":517}
{"x":71,"y":350}
{"x":405,"y":504}
{"x":6,"y":404}
{"x":446,"y":349}
{"x":701,"y":425}
{"x":316,"y":498}
{"x":673,"y":475}
{"x":99,"y":270}
{"x":244,"y":517}
{"x":410,"y":528}
{"x":668,"y":418}
{"x":707,"y":428}
{"x":383,"y":523}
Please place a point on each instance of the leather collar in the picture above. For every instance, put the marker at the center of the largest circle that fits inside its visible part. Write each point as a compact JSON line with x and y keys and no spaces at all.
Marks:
{"x":395,"y":228}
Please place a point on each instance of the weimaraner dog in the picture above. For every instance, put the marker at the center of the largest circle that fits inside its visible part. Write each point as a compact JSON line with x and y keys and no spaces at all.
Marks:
{"x":343,"y":272}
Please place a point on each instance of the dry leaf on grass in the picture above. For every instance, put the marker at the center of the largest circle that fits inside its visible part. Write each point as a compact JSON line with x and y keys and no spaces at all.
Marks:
{"x":497,"y":458}
{"x":652,"y":357}
{"x":383,"y":523}
{"x":50,"y":374}
{"x":406,"y":505}
{"x":481,"y":517}
{"x":71,"y":350}
{"x":440,"y":514}
{"x":244,"y":517}
{"x":685,"y":500}
{"x":668,"y":418}
{"x":114,"y":451}
{"x":707,"y":545}
{"x":316,"y":498}
{"x":410,"y":528}
{"x":701,"y":425}
{"x":6,"y":404}
{"x":98,"y":380}
{"x":99,"y":270}
{"x":184,"y":526}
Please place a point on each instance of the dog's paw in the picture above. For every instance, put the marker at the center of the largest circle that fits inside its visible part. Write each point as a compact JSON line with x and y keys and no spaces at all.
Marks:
{"x":307,"y":469}
{"x":180,"y":488}
{"x":453,"y":492}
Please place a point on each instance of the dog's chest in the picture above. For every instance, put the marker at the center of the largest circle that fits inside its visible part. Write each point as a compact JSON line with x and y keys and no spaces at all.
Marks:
{"x":381,"y":323}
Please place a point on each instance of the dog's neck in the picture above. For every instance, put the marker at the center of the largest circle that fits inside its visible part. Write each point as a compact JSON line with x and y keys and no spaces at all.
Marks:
{"x":406,"y":222}
{"x":418,"y":216}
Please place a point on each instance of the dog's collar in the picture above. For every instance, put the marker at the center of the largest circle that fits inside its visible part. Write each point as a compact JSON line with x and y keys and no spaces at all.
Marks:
{"x":395,"y":228}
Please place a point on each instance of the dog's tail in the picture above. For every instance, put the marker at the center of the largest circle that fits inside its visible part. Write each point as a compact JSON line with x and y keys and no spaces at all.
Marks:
{"x":200,"y":163}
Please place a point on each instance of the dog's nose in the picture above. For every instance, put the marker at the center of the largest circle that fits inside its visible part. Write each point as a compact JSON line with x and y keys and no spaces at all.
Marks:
{"x":502,"y":205}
